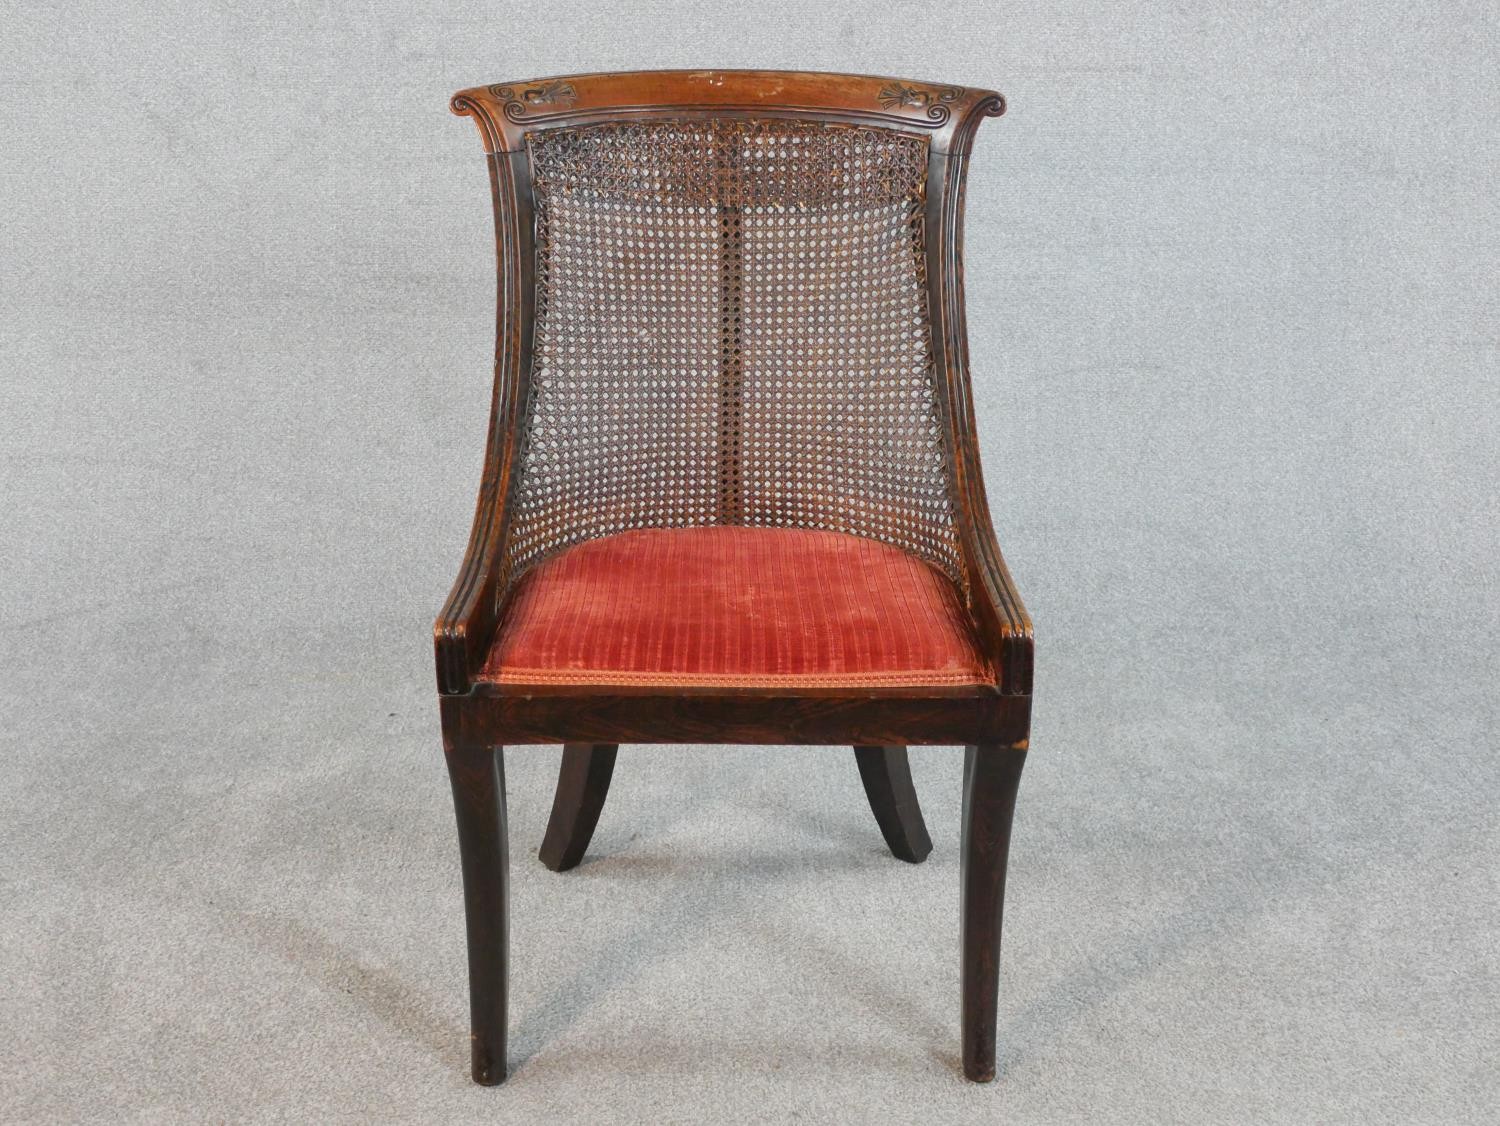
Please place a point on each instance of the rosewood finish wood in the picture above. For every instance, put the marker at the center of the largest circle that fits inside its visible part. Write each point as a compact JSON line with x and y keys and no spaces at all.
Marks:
{"x":505,"y":112}
{"x":582,"y":786}
{"x":886,"y":774}
{"x":480,"y":717}
{"x":991,"y":776}
{"x":832,"y":718}
{"x":477,"y":774}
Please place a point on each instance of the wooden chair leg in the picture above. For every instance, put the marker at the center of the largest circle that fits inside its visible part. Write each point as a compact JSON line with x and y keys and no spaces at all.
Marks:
{"x":478,"y":777}
{"x":582,"y":785}
{"x":886,"y":773}
{"x":992,"y":772}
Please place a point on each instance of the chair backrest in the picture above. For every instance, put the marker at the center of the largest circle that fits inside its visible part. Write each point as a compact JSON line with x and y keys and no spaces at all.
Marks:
{"x":728,"y":297}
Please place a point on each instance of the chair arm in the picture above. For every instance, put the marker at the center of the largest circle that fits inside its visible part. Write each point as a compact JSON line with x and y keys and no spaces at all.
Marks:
{"x":1004,"y":624}
{"x":465,"y":628}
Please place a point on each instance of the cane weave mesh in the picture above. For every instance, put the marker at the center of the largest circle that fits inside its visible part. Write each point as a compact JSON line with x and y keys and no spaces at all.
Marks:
{"x":731,"y":327}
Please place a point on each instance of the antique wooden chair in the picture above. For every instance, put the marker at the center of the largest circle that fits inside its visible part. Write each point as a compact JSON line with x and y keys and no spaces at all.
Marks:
{"x":732,"y":491}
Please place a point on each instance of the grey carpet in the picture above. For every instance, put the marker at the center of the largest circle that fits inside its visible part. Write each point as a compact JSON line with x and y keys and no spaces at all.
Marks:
{"x":1233,"y":305}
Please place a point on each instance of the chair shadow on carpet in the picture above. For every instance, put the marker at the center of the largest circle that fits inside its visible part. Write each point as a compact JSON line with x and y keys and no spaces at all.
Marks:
{"x":1106,"y":973}
{"x":379,"y":991}
{"x":701,"y":891}
{"x":715,"y":891}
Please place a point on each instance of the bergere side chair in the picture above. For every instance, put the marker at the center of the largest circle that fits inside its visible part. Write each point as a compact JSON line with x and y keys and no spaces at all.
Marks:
{"x":732,"y":490}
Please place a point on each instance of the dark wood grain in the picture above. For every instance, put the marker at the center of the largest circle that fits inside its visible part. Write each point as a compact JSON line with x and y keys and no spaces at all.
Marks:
{"x":466,"y":625}
{"x":477,"y":774}
{"x":886,"y":774}
{"x":582,"y":786}
{"x":992,"y":774}
{"x":997,"y":607}
{"x":834,"y":719}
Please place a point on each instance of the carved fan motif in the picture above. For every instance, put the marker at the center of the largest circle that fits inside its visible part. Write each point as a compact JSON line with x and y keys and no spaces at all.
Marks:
{"x":896,"y":94}
{"x":552,"y":93}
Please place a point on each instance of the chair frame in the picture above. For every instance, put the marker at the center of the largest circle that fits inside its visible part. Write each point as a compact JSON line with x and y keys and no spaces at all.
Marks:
{"x":479,"y":718}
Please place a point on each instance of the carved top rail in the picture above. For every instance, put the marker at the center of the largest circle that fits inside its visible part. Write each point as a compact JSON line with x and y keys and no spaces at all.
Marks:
{"x":505,"y":112}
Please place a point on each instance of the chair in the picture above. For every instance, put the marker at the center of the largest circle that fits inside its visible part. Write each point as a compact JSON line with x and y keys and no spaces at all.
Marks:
{"x":732,"y":490}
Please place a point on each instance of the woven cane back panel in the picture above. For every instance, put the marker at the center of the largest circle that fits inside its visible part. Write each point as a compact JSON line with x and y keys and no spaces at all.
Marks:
{"x":731,"y":328}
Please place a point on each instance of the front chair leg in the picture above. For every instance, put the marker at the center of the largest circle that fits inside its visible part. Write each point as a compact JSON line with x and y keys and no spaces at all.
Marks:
{"x":478,"y":777}
{"x":582,"y":784}
{"x":992,"y":772}
{"x":886,"y":773}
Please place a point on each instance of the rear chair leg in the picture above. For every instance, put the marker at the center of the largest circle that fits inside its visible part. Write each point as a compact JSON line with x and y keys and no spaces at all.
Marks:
{"x":992,"y":772}
{"x":886,"y":773}
{"x":478,"y":777}
{"x":582,"y":785}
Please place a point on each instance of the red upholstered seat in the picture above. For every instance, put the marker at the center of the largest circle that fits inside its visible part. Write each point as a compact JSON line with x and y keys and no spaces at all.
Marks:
{"x":735,"y":606}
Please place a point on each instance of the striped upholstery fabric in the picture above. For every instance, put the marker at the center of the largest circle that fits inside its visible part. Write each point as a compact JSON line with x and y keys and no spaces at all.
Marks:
{"x":735,"y":606}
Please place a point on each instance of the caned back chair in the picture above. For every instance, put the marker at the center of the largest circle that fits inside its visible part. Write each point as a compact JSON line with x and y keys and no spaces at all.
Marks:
{"x":732,"y":491}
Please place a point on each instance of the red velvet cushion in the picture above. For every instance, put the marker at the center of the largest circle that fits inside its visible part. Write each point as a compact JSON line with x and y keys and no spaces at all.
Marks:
{"x":735,"y":606}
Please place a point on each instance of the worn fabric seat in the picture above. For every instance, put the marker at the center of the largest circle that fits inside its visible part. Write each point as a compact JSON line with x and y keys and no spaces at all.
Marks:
{"x":735,"y":606}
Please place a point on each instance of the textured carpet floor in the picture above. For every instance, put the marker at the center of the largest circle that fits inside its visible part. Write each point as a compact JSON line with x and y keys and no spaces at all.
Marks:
{"x":1233,"y":319}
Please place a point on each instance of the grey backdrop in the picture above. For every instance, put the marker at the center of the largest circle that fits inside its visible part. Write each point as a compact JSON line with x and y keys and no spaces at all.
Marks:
{"x":1233,"y":306}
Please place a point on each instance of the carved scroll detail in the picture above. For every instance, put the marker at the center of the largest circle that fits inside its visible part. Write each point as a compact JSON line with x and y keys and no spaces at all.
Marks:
{"x":553,"y":93}
{"x":933,"y":99}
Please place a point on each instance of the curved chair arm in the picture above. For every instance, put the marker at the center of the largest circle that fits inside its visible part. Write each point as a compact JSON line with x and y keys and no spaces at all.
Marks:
{"x":466,"y":626}
{"x":464,"y":630}
{"x":1004,"y":624}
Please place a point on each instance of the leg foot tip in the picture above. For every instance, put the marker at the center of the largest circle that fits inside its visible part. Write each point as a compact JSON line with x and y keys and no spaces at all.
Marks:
{"x":914,"y":856}
{"x":486,"y":1070}
{"x":556,"y":863}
